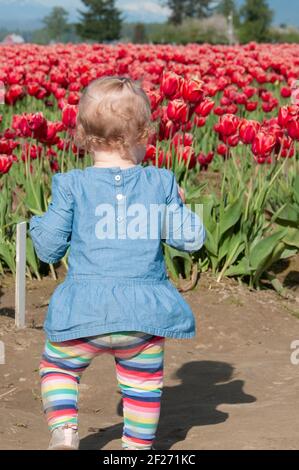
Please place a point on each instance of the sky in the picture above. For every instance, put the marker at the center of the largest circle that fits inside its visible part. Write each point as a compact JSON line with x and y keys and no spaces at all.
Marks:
{"x":147,"y":6}
{"x":21,"y":11}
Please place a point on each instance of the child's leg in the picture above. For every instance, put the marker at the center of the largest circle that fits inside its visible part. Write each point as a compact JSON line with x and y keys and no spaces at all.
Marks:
{"x":139,"y":365}
{"x":60,"y":369}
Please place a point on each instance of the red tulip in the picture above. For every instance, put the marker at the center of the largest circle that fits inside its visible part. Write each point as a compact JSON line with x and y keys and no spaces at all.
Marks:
{"x":192,"y":90}
{"x":51,"y":153}
{"x":150,"y":153}
{"x":232,"y":140}
{"x":69,"y":116}
{"x":167,"y":129}
{"x":171,"y":85}
{"x":263,"y":144}
{"x":241,"y":99}
{"x":42,"y":93}
{"x":164,"y":159}
{"x":288,"y":148}
{"x":155,"y":99}
{"x":74,"y":86}
{"x":33,"y":151}
{"x":5,"y":146}
{"x":200,"y":121}
{"x":59,"y":93}
{"x":30,"y":125}
{"x":248,"y":131}
{"x":251,"y":105}
{"x":54,"y":165}
{"x":187,"y":155}
{"x":205,"y":160}
{"x":38,"y":124}
{"x":6,"y":162}
{"x":20,"y":124}
{"x":51,"y":138}
{"x":269,"y":106}
{"x":187,"y":126}
{"x":177,"y":110}
{"x":9,"y":134}
{"x":286,"y":92}
{"x":78,"y":151}
{"x":261,"y":159}
{"x":293,"y":128}
{"x":33,"y":89}
{"x":232,"y":109}
{"x":222,"y":149}
{"x":185,"y":139}
{"x":250,"y":91}
{"x":73,"y":98}
{"x":286,"y":113}
{"x":13,"y":94}
{"x":204,"y":108}
{"x":63,"y":145}
{"x":225,"y":101}
{"x":219,"y":111}
{"x":227,"y":125}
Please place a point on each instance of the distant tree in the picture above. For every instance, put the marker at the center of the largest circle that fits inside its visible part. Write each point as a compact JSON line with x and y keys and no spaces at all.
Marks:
{"x":198,"y":8}
{"x":181,"y":9}
{"x":192,"y":30}
{"x":226,"y":7}
{"x":176,"y":8}
{"x":56,"y":24}
{"x":139,"y":35}
{"x":101,"y":21}
{"x":257,"y":18}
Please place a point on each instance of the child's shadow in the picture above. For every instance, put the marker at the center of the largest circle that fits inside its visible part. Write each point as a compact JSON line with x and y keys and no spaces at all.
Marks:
{"x":204,"y":386}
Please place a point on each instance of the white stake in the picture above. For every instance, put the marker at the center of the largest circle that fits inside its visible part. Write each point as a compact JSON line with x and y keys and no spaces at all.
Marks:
{"x":20,"y":297}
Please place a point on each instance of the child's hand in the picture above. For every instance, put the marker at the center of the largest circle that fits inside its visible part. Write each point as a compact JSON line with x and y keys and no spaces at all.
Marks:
{"x":182,"y":194}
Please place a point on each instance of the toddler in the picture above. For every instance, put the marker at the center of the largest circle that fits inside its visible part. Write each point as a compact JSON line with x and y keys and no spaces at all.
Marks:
{"x":116,"y":297}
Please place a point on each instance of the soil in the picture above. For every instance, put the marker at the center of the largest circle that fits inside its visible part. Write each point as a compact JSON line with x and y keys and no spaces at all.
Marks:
{"x":234,"y":386}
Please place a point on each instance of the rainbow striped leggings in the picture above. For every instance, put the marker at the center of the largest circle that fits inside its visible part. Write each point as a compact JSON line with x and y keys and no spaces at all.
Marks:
{"x":139,"y":368}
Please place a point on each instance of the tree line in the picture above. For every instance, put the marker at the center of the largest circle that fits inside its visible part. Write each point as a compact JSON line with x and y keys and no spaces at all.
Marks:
{"x":102,"y":21}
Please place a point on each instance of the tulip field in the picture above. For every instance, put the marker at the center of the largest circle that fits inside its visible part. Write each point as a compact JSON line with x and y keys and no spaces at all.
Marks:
{"x":227,"y":114}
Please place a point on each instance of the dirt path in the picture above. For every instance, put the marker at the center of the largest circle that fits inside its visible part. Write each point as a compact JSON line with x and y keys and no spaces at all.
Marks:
{"x":233,"y":387}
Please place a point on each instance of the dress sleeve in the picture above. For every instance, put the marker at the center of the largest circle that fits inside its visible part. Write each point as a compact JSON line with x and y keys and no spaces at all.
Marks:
{"x":183,"y":228}
{"x":51,"y":233}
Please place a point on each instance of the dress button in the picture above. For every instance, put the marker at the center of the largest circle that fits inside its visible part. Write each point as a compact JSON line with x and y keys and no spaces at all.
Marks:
{"x":119,"y":197}
{"x":117,"y":178}
{"x":119,"y":219}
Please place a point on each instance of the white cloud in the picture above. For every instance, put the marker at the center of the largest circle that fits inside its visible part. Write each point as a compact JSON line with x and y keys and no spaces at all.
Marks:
{"x":147,"y":6}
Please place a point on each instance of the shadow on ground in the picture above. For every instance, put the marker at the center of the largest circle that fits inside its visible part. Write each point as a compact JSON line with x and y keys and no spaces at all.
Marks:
{"x":204,"y":386}
{"x":6,"y":311}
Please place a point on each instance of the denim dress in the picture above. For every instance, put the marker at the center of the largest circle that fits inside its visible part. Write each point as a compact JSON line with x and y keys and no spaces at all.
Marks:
{"x":116,"y":279}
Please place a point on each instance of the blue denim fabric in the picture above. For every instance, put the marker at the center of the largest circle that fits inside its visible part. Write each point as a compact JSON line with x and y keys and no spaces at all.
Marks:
{"x":118,"y":283}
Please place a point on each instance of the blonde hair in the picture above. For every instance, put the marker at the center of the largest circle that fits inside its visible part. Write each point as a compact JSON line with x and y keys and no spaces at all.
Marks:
{"x":115,"y":114}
